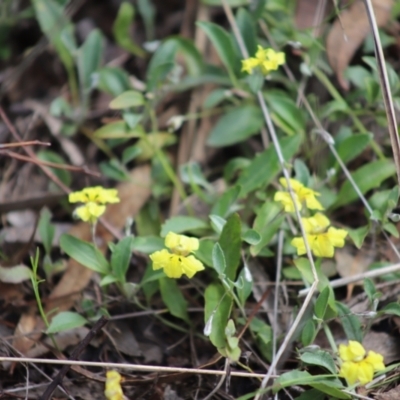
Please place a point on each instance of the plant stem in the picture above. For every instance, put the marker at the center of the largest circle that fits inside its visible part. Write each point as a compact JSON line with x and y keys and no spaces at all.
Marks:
{"x":35,"y":284}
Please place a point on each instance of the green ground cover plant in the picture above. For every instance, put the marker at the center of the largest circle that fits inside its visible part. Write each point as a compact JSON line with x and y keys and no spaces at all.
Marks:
{"x":254,"y":207}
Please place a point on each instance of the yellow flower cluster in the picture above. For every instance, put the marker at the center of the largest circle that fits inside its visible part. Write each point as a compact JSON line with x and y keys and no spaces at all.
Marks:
{"x":320,"y":236}
{"x":177,"y":261}
{"x":322,"y":242}
{"x":266,"y":59}
{"x":356,"y":365}
{"x":113,"y":389}
{"x":95,"y":200}
{"x":301,"y":194}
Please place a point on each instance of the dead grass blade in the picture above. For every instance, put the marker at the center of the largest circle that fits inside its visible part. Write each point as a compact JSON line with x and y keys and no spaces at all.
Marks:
{"x":384,"y":83}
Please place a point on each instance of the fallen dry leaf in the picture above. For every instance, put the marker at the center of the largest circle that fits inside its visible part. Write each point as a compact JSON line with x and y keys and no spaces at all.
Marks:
{"x":133,"y":195}
{"x":309,"y":13}
{"x":348,"y":32}
{"x":348,"y":264}
{"x":393,"y":394}
{"x":25,"y":335}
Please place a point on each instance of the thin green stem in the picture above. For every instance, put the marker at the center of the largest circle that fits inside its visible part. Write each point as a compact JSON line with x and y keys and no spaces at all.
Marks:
{"x":330,"y":337}
{"x":35,"y":285}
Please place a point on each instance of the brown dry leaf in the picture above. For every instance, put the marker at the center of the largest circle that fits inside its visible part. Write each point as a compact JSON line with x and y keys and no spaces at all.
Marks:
{"x":309,"y":13}
{"x":348,"y":264}
{"x":393,"y":394}
{"x":349,"y":31}
{"x":62,"y":339}
{"x":25,"y":335}
{"x":133,"y":195}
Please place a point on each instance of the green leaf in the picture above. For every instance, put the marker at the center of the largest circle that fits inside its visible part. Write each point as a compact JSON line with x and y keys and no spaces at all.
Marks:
{"x":321,"y":303}
{"x":218,"y":307}
{"x":312,"y":394}
{"x":308,"y":333}
{"x":121,"y":30}
{"x":15,"y":274}
{"x":223,"y":44}
{"x":351,"y":147}
{"x":217,"y":223}
{"x":358,"y":235}
{"x":367,"y":177}
{"x":107,"y":280}
{"x":163,"y":60}
{"x":244,"y":290}
{"x":89,"y":57}
{"x":265,"y":166}
{"x":251,"y":237}
{"x":285,"y":113}
{"x":392,"y":309}
{"x":351,"y":324}
{"x":325,"y":383}
{"x":120,"y":258}
{"x":173,"y":298}
{"x":182,"y":223}
{"x":130,"y":98}
{"x":113,"y":80}
{"x":204,"y":253}
{"x":218,"y":258}
{"x":191,"y":173}
{"x":237,"y":125}
{"x":46,"y":230}
{"x":266,"y":223}
{"x":118,"y":130}
{"x":215,"y":97}
{"x":370,"y":289}
{"x":65,"y":321}
{"x":230,"y":242}
{"x":321,"y":358}
{"x":223,"y":206}
{"x":147,"y":244}
{"x":55,"y":24}
{"x":247,"y":29}
{"x":85,"y":253}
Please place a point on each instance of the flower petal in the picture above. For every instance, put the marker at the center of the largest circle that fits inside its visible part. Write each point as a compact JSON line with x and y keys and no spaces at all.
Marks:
{"x":376,"y":360}
{"x":286,"y":201}
{"x":349,"y":371}
{"x":354,"y":351}
{"x":90,"y":212}
{"x":337,"y":236}
{"x":181,"y":244}
{"x":191,"y":265}
{"x":298,"y":242}
{"x":365,"y":372}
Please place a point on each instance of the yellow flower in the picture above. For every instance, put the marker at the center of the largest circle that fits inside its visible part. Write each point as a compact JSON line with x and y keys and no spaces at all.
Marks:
{"x":322,"y":242}
{"x":267,"y":59}
{"x":180,"y":244}
{"x":177,"y":262}
{"x":94,"y":199}
{"x":302,"y":195}
{"x":356,"y":367}
{"x":113,"y":386}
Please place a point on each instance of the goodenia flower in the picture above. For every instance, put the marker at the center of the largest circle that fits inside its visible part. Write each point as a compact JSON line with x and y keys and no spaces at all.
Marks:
{"x":113,"y":390}
{"x":302,"y":195}
{"x":322,"y":242}
{"x":95,"y":200}
{"x":177,"y":261}
{"x":266,"y":59}
{"x":356,"y":366}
